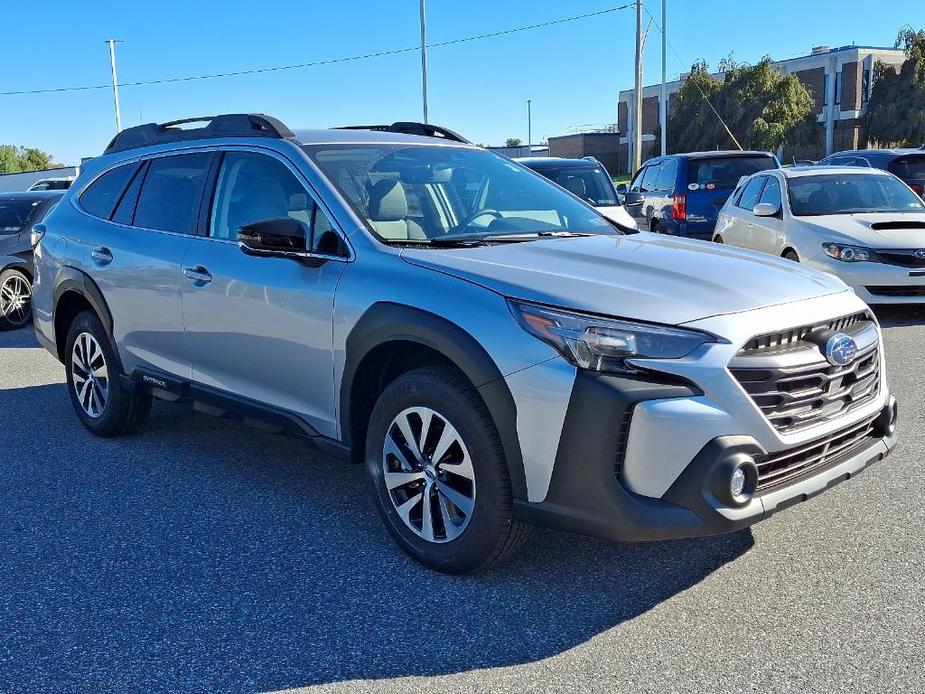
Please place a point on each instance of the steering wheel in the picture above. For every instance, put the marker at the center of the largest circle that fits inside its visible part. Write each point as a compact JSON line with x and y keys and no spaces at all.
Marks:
{"x":475,"y":215}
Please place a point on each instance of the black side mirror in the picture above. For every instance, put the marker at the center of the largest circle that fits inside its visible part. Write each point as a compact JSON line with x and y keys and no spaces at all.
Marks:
{"x":280,"y":236}
{"x":622,"y":188}
{"x":632,"y":198}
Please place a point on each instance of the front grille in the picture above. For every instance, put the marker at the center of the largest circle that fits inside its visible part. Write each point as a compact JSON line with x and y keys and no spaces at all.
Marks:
{"x":795,"y":387}
{"x":776,"y":469}
{"x":788,"y":338}
{"x":897,"y":290}
{"x":902,"y":257}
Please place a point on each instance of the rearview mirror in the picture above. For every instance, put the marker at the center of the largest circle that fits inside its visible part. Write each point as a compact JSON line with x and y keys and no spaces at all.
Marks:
{"x":765,"y":209}
{"x":280,"y":236}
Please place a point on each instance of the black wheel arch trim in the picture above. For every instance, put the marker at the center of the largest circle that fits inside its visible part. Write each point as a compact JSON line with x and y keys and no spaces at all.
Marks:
{"x":16,"y":262}
{"x":387,"y":322}
{"x":70,"y":279}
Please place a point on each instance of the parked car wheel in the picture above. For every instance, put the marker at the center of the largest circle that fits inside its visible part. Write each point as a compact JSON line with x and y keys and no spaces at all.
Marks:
{"x":791,"y":254}
{"x":438,"y":473}
{"x":103,"y":404}
{"x":15,"y":299}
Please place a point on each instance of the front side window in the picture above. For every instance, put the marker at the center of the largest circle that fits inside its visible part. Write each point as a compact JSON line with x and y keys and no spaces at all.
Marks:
{"x":909,"y":166}
{"x":421,"y":193}
{"x":812,"y":196}
{"x":771,"y":193}
{"x":636,"y":183}
{"x":15,"y":215}
{"x":749,"y":197}
{"x":101,"y":196}
{"x":170,"y":194}
{"x":650,"y":180}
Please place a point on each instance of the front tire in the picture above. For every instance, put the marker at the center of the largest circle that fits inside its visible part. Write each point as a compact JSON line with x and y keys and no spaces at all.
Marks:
{"x":15,"y":299}
{"x":103,"y":404}
{"x":438,"y":473}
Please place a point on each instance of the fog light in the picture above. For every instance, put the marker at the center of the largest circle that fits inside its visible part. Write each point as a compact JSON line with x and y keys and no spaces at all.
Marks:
{"x":737,"y":483}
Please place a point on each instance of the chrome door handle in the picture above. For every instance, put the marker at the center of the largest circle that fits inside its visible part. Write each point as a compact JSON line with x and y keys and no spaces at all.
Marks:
{"x":102,"y":256}
{"x":199,"y":275}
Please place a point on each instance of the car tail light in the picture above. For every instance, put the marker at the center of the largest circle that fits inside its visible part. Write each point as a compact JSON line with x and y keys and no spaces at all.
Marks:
{"x":679,"y":207}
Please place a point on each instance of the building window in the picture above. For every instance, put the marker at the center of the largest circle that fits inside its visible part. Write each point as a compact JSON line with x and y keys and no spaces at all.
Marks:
{"x":865,"y":85}
{"x":838,"y":87}
{"x":825,"y":89}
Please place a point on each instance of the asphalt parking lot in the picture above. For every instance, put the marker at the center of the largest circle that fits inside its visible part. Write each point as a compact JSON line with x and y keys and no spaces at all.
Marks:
{"x":201,"y":555}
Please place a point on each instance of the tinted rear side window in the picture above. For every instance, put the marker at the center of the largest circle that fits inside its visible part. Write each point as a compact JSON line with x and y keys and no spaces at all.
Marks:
{"x":171,"y":193}
{"x":103,"y":194}
{"x":725,"y":172}
{"x":910,"y":166}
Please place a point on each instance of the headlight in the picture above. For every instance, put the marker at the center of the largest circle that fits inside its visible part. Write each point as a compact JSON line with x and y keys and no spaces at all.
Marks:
{"x":604,"y":344}
{"x":849,"y":254}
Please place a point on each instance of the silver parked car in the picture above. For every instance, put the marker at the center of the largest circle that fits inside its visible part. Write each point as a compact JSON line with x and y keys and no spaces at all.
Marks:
{"x":493,"y":350}
{"x":862,"y":224}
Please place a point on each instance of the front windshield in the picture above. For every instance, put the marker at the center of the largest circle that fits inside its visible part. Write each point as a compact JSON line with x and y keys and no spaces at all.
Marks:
{"x":589,"y":184}
{"x":420,"y":193}
{"x":811,"y":196}
{"x":14,"y":214}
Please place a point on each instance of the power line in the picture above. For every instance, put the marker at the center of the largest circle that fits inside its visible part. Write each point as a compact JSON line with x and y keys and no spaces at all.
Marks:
{"x":326,"y":61}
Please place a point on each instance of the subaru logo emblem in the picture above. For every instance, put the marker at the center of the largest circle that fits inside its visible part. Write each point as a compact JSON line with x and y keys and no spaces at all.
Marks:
{"x":920,"y":253}
{"x":840,"y":349}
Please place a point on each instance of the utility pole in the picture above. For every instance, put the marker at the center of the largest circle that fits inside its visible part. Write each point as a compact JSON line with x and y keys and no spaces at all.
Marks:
{"x":663,"y":106}
{"x":529,"y":126}
{"x":637,"y":96}
{"x":115,"y":81}
{"x":424,"y":55}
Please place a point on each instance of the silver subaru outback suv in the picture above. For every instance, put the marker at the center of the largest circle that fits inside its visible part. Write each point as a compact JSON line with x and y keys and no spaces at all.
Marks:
{"x":493,"y":350}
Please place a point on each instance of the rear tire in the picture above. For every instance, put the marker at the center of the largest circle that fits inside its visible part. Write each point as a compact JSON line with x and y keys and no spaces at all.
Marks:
{"x":453,"y":468}
{"x":103,"y":404}
{"x":791,"y":254}
{"x":15,"y":299}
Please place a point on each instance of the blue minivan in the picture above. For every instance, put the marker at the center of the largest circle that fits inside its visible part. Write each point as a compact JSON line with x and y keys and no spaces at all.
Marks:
{"x":681,"y":194}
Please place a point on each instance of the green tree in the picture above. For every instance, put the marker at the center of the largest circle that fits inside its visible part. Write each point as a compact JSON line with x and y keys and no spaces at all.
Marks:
{"x":513,"y":142}
{"x":763,"y":108}
{"x":16,"y":159}
{"x":896,"y":110}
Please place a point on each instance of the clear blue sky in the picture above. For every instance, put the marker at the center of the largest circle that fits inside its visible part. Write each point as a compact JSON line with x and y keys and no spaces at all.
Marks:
{"x":572,"y":72}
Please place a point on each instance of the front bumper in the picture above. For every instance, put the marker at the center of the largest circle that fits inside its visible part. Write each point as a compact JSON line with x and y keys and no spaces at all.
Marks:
{"x":587,"y":495}
{"x":876,"y":283}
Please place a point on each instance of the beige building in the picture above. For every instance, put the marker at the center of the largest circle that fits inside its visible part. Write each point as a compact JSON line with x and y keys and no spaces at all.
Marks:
{"x":838,"y":78}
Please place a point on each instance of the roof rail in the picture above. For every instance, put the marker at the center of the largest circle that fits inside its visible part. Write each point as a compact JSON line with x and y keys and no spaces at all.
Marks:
{"x":412,"y":128}
{"x":226,"y":125}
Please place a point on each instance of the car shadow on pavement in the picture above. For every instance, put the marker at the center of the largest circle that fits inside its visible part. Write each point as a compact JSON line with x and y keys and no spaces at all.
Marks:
{"x":891,"y":316}
{"x":203,"y":555}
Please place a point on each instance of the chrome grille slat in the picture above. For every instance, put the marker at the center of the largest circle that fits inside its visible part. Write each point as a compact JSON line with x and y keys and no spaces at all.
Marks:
{"x":779,"y":468}
{"x":803,"y":391}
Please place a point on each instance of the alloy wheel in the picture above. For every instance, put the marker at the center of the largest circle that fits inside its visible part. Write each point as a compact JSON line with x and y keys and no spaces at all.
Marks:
{"x":15,"y":299}
{"x":428,"y":474}
{"x":90,"y":375}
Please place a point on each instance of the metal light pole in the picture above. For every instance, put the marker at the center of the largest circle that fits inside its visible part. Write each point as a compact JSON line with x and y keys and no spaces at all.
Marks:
{"x":663,"y":107}
{"x":529,"y":125}
{"x":115,"y":81}
{"x":637,"y":96}
{"x":424,"y":55}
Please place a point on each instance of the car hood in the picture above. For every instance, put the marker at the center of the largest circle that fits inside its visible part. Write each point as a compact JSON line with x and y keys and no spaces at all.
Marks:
{"x":644,"y":276}
{"x":859,"y":229}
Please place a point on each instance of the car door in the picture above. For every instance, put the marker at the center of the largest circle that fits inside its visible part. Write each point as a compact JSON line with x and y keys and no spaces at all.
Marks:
{"x":633,"y":200}
{"x":134,"y":256}
{"x":740,"y":229}
{"x":769,"y":231}
{"x":260,"y":328}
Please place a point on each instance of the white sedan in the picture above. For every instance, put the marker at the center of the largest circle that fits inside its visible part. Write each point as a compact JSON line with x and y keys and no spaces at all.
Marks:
{"x":863,"y":225}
